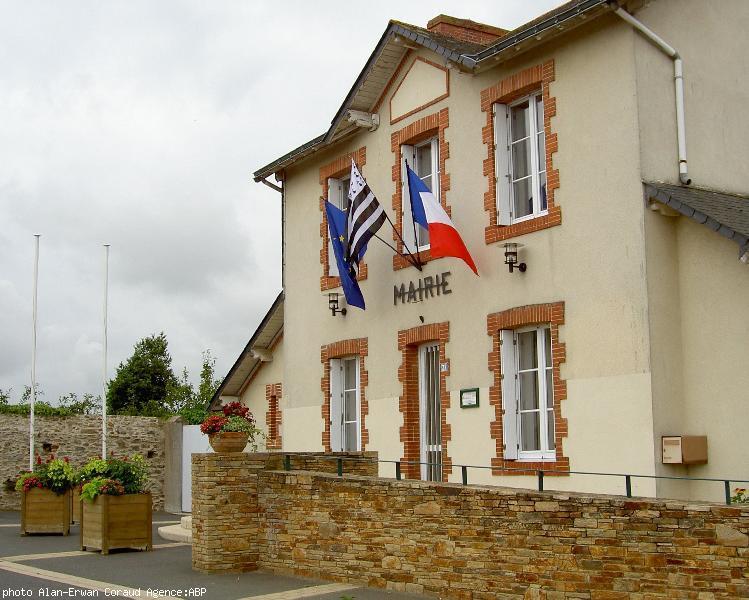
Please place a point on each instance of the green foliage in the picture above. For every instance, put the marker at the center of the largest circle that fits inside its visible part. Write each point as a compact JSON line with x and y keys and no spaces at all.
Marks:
{"x":185,"y":401}
{"x":56,"y":474}
{"x":140,"y":385}
{"x":59,"y":476}
{"x":131,"y":472}
{"x":208,"y":381}
{"x":96,"y":467}
{"x":238,"y":424}
{"x":101,"y":485}
{"x":69,"y":404}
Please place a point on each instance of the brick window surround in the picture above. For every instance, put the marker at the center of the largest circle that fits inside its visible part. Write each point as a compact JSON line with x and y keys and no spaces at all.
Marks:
{"x":434,"y":124}
{"x":355,"y":347}
{"x":338,"y":168}
{"x":409,"y":341}
{"x":273,"y":393}
{"x":515,"y":318}
{"x":511,"y":88}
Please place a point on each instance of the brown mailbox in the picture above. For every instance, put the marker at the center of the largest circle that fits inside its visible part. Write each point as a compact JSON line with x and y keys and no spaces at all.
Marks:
{"x":684,"y":449}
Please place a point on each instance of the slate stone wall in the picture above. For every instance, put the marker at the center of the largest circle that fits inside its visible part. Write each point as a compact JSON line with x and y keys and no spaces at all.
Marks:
{"x":467,"y":542}
{"x":79,"y":438}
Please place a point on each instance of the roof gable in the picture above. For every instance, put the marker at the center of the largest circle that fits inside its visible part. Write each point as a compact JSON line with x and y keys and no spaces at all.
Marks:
{"x":398,"y":38}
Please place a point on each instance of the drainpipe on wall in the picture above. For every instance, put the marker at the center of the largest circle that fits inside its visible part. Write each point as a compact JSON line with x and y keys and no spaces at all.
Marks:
{"x":681,"y":135}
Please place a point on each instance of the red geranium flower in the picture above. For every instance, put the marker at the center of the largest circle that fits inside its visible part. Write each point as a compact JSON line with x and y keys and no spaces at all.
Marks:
{"x":213,"y":424}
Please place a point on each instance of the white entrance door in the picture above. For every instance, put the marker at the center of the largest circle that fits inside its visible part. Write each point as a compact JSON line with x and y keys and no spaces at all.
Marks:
{"x":430,"y":413}
{"x":193,"y":441}
{"x":345,"y":405}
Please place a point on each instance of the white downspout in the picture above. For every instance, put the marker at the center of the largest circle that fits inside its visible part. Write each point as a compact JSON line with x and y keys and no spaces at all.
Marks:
{"x":681,"y":135}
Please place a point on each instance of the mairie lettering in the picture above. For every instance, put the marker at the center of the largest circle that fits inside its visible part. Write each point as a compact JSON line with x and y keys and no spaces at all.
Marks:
{"x":426,"y":287}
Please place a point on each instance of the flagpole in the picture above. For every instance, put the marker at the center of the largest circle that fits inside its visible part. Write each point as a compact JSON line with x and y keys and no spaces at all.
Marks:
{"x":104,"y":363}
{"x":33,"y":352}
{"x":400,"y":237}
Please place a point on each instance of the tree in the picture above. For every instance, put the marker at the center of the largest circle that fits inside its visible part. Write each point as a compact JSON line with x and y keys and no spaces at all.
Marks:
{"x":182,"y":398}
{"x":140,"y":384}
{"x":208,"y":382}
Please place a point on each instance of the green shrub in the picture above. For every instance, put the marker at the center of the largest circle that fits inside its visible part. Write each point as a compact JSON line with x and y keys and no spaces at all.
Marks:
{"x":101,"y":486}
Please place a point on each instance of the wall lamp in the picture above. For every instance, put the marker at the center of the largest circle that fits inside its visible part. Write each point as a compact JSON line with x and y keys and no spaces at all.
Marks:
{"x":333,"y":304}
{"x":511,"y":257}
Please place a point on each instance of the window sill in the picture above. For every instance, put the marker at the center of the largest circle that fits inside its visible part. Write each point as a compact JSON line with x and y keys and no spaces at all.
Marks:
{"x":498,"y":233}
{"x":551,"y":468}
{"x":400,"y":262}
{"x":328,"y":282}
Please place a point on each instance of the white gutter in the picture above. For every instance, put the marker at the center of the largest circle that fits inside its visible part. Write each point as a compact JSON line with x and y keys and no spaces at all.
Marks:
{"x":681,"y":135}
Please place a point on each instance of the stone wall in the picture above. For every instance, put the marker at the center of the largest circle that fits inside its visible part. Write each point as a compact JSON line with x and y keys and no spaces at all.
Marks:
{"x":226,"y":528}
{"x":79,"y":438}
{"x":471,"y":542}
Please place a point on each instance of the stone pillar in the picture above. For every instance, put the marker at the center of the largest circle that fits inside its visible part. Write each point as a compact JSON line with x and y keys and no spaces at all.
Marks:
{"x":225,"y":514}
{"x":174,"y":466}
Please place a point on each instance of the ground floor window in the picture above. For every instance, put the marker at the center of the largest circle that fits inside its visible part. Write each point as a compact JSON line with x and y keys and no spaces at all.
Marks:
{"x":345,"y":404}
{"x":528,"y":393}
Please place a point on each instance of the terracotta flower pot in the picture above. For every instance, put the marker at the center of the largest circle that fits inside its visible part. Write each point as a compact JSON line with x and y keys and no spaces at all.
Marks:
{"x":228,"y":441}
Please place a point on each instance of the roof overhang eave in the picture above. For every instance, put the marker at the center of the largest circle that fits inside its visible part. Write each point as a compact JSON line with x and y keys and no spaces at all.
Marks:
{"x":652,"y":192}
{"x":509,"y":44}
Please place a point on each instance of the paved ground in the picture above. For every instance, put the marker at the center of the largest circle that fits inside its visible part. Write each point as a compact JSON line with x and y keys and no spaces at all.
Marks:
{"x":52,"y":566}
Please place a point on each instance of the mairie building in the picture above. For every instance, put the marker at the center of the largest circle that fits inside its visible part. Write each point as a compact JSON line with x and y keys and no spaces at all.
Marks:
{"x":594,"y":161}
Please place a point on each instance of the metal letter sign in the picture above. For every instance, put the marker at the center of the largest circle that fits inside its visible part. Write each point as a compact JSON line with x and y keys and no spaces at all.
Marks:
{"x":424,"y":288}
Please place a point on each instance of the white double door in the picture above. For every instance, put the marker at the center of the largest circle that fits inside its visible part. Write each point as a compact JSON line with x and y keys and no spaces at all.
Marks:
{"x":430,"y":412}
{"x":345,"y":405}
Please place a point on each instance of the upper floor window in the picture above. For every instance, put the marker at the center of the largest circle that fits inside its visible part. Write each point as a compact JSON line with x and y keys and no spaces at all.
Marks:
{"x":520,"y":154}
{"x":528,"y":393}
{"x":338,"y":197}
{"x":423,"y":158}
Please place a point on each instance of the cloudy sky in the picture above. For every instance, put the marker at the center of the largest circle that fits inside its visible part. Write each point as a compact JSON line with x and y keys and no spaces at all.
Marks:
{"x":138,"y":123}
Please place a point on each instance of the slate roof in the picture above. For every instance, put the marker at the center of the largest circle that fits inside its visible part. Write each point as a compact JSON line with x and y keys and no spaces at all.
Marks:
{"x":726,"y":214}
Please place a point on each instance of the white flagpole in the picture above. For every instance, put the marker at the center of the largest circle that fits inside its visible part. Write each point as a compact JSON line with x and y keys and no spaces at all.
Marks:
{"x":33,"y":353}
{"x":104,"y":365}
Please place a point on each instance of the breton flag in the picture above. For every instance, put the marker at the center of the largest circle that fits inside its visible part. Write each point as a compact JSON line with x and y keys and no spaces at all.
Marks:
{"x":336,"y":226}
{"x":444,"y":239}
{"x":364,"y":218}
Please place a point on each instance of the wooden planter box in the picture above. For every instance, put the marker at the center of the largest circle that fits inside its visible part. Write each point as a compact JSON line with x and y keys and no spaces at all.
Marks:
{"x":75,"y":499}
{"x":111,"y":522}
{"x":43,"y":511}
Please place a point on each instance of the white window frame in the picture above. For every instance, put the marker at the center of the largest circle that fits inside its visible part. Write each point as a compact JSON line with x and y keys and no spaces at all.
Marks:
{"x":503,"y":167}
{"x":338,"y":197}
{"x":338,"y":417}
{"x":511,"y":390}
{"x":408,"y":152}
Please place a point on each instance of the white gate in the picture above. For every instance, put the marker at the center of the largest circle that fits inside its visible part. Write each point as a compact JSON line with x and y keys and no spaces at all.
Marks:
{"x":193,"y":441}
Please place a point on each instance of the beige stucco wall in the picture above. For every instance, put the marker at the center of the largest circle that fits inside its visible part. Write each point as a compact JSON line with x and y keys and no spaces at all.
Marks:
{"x":633,"y":319}
{"x":423,"y":83}
{"x":253,"y":396}
{"x":713,"y":288}
{"x":710,"y":35}
{"x":697,"y":310}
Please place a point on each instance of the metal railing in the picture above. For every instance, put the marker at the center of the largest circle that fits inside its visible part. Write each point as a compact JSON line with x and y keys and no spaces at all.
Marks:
{"x":538,"y":473}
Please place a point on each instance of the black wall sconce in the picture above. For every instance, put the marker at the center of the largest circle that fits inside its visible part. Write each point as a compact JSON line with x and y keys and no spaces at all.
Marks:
{"x":511,"y":257}
{"x":333,"y":304}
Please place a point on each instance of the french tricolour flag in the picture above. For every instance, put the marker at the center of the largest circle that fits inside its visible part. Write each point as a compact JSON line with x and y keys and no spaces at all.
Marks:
{"x":444,"y":239}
